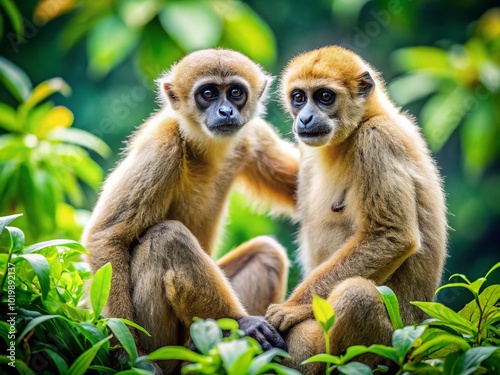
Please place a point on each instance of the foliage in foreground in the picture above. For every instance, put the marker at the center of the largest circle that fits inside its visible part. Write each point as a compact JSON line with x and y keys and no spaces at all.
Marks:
{"x":51,"y":332}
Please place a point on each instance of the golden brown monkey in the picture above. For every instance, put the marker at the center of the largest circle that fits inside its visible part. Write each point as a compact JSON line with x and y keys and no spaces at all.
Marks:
{"x":161,"y":210}
{"x":370,"y":204}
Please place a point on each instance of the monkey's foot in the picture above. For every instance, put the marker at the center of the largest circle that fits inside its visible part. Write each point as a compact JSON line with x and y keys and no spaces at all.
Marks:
{"x":260,"y":329}
{"x":284,"y":316}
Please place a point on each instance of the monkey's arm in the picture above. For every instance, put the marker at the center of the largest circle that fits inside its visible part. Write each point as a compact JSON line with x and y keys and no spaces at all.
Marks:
{"x":271,"y":172}
{"x":383,"y":205}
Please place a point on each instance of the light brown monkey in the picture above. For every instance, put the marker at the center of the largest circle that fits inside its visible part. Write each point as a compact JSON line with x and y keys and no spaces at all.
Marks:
{"x":370,"y":204}
{"x":160,"y":212}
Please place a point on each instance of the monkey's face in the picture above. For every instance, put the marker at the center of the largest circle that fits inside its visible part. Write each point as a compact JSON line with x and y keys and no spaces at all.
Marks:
{"x":326,"y":91}
{"x":220,"y":105}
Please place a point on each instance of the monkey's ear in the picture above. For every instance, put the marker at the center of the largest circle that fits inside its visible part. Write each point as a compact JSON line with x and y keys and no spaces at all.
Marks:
{"x":264,"y":87}
{"x":167,"y":91}
{"x":366,"y":85}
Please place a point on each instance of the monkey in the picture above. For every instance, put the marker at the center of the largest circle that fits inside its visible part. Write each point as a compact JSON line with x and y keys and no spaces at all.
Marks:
{"x":160,"y":212}
{"x":370,"y":203}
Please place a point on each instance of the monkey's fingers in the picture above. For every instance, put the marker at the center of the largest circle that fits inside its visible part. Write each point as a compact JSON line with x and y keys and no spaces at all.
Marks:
{"x":260,"y":329}
{"x":285,"y":316}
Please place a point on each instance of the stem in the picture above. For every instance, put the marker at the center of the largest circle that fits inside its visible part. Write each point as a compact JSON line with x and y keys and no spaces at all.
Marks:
{"x":327,"y":349}
{"x":6,"y":267}
{"x":481,"y":312}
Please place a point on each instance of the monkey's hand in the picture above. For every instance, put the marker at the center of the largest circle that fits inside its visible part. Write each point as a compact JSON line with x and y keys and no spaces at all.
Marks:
{"x":260,"y":329}
{"x":284,"y":316}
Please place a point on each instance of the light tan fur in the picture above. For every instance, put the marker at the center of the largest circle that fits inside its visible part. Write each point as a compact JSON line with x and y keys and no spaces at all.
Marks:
{"x":371,"y":208}
{"x":161,"y":210}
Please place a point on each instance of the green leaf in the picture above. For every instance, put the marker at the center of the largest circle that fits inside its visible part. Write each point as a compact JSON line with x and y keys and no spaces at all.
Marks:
{"x":6,"y":243}
{"x":205,"y":334}
{"x":133,"y":371}
{"x":326,"y":358}
{"x":17,"y":236}
{"x":446,"y":315}
{"x":175,"y":352}
{"x":353,"y":351}
{"x":136,"y":326}
{"x":404,"y":338}
{"x":412,"y":87}
{"x":82,"y":363}
{"x":440,"y":341}
{"x":230,"y":352}
{"x":45,"y":89}
{"x":228,"y":324}
{"x":430,"y":59}
{"x":33,"y":323}
{"x":177,"y":19}
{"x":323,"y":313}
{"x":91,"y":332}
{"x":469,"y":362}
{"x":245,"y":31}
{"x":110,"y":41}
{"x":42,"y":270}
{"x":421,"y":368}
{"x":59,"y":361}
{"x":496,"y":266}
{"x":16,"y":81}
{"x":101,"y":286}
{"x":462,"y":276}
{"x":441,"y":115}
{"x":279,"y":369}
{"x":138,"y":13}
{"x":6,"y":220}
{"x":488,"y":299}
{"x":392,"y":305}
{"x":14,"y":15}
{"x":458,"y":285}
{"x":355,"y":368}
{"x":123,"y":335}
{"x":81,"y":138}
{"x":8,"y":118}
{"x":53,"y":243}
{"x":263,"y":359}
{"x":384,"y":351}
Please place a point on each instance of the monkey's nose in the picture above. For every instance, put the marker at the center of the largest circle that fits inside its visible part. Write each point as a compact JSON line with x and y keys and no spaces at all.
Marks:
{"x":306,"y":119}
{"x":225,"y":111}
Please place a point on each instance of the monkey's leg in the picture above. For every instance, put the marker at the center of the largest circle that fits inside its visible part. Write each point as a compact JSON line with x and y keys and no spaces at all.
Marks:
{"x":174,"y":280}
{"x":258,"y":272}
{"x":361,"y":319}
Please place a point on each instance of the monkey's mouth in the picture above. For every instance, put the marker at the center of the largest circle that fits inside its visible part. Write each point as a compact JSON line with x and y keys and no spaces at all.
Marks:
{"x":225,"y":128}
{"x":318,"y":132}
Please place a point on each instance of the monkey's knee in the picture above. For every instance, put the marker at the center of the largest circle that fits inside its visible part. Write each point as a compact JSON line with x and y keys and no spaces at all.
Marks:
{"x":258,"y":271}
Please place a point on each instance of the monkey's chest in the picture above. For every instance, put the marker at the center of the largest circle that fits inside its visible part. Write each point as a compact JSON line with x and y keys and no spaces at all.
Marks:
{"x":325,"y":222}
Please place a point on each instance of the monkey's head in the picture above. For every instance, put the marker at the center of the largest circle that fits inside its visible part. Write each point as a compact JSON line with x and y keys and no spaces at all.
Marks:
{"x":218,"y":90}
{"x":326,"y":92}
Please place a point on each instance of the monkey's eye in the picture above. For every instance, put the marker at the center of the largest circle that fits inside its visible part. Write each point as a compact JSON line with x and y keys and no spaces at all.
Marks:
{"x":209,"y":93}
{"x":325,"y":97}
{"x":236,"y":92}
{"x":298,"y":98}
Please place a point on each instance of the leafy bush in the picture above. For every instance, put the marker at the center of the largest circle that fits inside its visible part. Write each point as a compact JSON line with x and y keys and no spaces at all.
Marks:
{"x":43,"y":159}
{"x":448,"y":343}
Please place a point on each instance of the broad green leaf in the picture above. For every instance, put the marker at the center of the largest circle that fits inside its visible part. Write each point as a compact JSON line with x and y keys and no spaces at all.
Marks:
{"x":20,"y":366}
{"x":457,"y":285}
{"x":468,"y":362}
{"x":430,"y":59}
{"x":353,"y":351}
{"x":101,"y":286}
{"x":91,"y":332}
{"x":323,"y":313}
{"x":496,"y":266}
{"x":45,"y":89}
{"x":8,"y":118}
{"x":242,"y":364}
{"x":392,"y":305}
{"x":42,"y":270}
{"x":488,"y":299}
{"x":231,"y":351}
{"x":6,"y":243}
{"x":326,"y":358}
{"x":263,"y":359}
{"x":445,"y":315}
{"x":59,"y":361}
{"x":106,"y":370}
{"x":441,"y":115}
{"x":403,"y":339}
{"x":78,"y":161}
{"x":205,"y":335}
{"x":53,"y":243}
{"x":384,"y":351}
{"x":228,"y":324}
{"x":123,"y":335}
{"x":133,"y":371}
{"x":412,"y":87}
{"x":440,"y":341}
{"x":81,"y":138}
{"x":14,"y":14}
{"x":175,"y":352}
{"x":16,"y":81}
{"x":136,"y":326}
{"x":82,"y":363}
{"x":138,"y":13}
{"x":110,"y":41}
{"x":33,"y":323}
{"x":153,"y":60}
{"x":421,"y":368}
{"x":245,"y":31}
{"x":355,"y":368}
{"x":17,"y":238}
{"x":178,"y":18}
{"x":6,"y":220}
{"x":279,"y":369}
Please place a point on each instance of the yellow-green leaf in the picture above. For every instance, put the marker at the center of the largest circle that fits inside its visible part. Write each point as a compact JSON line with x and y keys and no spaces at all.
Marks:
{"x":45,"y":89}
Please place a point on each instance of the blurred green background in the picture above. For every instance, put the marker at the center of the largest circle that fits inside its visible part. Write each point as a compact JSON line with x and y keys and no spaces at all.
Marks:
{"x":441,"y":60}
